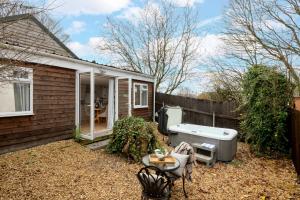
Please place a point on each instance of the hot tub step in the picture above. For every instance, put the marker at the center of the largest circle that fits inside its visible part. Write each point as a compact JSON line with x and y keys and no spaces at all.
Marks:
{"x":203,"y":158}
{"x":205,"y":153}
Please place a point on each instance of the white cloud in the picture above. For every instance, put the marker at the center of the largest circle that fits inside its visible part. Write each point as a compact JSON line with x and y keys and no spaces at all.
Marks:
{"x":183,"y":3}
{"x":135,"y":14}
{"x":91,"y":7}
{"x":76,"y":27}
{"x":89,"y":49}
{"x":132,"y":14}
{"x":211,"y":46}
{"x":209,"y":21}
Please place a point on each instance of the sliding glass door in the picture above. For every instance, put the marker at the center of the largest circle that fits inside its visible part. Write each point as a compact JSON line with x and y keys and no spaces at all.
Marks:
{"x":85,"y":104}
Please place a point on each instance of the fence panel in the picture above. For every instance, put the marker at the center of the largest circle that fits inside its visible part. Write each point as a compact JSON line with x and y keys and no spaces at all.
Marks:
{"x":199,"y":111}
{"x":295,"y":135}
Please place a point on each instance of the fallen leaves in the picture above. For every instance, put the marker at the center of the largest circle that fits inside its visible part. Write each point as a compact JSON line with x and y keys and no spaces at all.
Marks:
{"x":67,"y":170}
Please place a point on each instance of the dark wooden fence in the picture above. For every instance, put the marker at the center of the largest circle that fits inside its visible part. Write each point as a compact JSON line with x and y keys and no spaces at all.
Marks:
{"x":203,"y":112}
{"x":295,"y":135}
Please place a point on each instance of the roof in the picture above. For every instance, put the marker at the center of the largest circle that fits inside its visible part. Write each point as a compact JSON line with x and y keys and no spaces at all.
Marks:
{"x":44,"y":28}
{"x":94,"y":62}
{"x":61,"y":44}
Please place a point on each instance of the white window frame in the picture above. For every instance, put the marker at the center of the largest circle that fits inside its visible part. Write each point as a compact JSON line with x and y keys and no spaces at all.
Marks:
{"x":141,"y":86}
{"x":22,"y":80}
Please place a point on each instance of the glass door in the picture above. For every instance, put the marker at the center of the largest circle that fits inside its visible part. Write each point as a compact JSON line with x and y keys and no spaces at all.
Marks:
{"x":86,"y":104}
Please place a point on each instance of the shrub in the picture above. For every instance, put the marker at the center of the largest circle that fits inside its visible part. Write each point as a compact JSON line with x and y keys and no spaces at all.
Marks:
{"x":266,"y":98}
{"x":133,"y":137}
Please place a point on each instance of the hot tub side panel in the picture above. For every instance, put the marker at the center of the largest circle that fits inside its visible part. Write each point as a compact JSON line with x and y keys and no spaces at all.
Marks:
{"x":176,"y":138}
{"x":226,"y":149}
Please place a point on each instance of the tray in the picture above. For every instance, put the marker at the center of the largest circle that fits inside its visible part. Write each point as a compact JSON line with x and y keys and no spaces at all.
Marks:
{"x":167,"y":160}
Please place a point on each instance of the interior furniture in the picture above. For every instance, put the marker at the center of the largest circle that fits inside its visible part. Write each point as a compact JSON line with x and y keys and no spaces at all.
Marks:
{"x":103,"y":115}
{"x":155,"y":183}
{"x":100,"y":114}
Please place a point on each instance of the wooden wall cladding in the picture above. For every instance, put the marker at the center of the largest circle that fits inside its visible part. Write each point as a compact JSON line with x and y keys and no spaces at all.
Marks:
{"x":53,"y":107}
{"x":146,"y":113}
{"x":122,"y":98}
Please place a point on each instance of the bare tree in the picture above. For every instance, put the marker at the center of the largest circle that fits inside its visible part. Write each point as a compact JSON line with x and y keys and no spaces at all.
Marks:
{"x":54,"y":26}
{"x":41,"y":12}
{"x":265,"y":32}
{"x":186,"y":92}
{"x":161,"y":42}
{"x":9,"y":57}
{"x":227,"y":83}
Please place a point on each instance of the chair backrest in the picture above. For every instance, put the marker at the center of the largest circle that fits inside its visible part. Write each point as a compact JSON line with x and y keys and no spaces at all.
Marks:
{"x":186,"y":149}
{"x":155,"y":182}
{"x":104,"y":113}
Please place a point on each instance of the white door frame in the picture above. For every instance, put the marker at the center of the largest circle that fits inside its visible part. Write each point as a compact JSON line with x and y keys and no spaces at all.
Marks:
{"x":90,"y":135}
{"x":111,"y":103}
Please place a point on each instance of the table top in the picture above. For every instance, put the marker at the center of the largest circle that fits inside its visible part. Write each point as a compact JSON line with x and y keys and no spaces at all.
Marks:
{"x":162,"y":167}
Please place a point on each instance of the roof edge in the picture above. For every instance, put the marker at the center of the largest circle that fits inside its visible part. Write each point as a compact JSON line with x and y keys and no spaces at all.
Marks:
{"x":74,"y":60}
{"x":42,"y":26}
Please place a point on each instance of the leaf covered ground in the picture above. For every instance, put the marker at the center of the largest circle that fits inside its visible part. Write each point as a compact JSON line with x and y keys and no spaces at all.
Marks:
{"x":67,"y":170}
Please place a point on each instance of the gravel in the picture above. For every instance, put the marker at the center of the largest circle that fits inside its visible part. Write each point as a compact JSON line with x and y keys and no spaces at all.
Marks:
{"x":67,"y":170}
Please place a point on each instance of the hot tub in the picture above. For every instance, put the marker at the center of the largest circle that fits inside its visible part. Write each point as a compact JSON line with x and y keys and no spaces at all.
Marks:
{"x":224,"y":139}
{"x":170,"y":123}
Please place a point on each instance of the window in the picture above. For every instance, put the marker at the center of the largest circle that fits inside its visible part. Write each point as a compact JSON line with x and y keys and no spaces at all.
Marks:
{"x":140,"y":95}
{"x":16,"y":93}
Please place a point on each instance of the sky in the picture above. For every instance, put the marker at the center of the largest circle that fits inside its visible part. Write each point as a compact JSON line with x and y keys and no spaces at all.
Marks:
{"x":84,"y":21}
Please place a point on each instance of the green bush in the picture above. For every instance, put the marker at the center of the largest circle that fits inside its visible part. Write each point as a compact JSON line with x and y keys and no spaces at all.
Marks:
{"x":133,"y":137}
{"x":266,"y":97}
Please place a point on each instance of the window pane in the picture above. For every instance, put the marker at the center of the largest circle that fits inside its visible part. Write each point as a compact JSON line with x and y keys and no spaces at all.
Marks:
{"x":137,"y":94}
{"x":85,"y":103}
{"x":144,"y":97}
{"x":22,"y":96}
{"x":14,"y":97}
{"x":144,"y":87}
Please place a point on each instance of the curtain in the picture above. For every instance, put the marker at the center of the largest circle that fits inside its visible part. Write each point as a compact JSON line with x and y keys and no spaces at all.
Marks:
{"x":22,"y":96}
{"x":137,"y":95}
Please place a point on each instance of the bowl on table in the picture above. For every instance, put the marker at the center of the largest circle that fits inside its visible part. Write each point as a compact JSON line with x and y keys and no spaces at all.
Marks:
{"x":160,"y":155}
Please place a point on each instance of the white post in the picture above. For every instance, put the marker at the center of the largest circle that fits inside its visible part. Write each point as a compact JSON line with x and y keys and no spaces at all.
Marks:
{"x":111,"y":113}
{"x":129,"y":96}
{"x":92,"y":96}
{"x":116,"y":99}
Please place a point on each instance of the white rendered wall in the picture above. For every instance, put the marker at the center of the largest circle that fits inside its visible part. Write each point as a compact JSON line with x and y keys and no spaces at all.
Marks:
{"x":7,"y":98}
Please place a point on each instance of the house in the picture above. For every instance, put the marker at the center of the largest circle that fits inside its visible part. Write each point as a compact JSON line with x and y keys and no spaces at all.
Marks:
{"x":52,"y":93}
